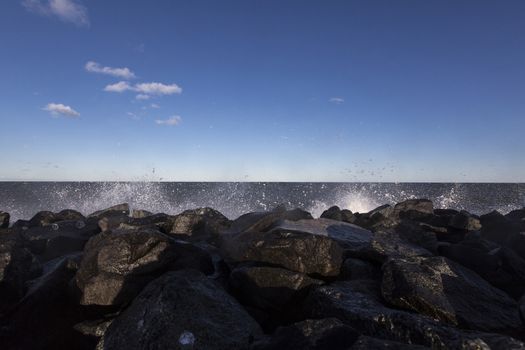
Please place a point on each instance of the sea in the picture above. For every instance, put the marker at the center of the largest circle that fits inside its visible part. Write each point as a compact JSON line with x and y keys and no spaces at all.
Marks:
{"x":23,"y":199}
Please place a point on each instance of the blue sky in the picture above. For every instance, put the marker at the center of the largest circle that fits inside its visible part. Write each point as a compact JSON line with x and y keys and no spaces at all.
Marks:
{"x":270,"y":90}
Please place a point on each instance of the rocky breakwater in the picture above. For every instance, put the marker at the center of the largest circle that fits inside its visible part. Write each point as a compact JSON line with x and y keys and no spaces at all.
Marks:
{"x":406,"y":276}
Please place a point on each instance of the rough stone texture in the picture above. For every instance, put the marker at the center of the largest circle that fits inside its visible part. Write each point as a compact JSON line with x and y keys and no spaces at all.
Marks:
{"x":180,"y":308}
{"x":328,"y":333}
{"x":500,"y":266}
{"x":264,"y":221}
{"x":119,"y":209}
{"x":355,"y":269}
{"x":44,"y":317}
{"x":59,"y":238}
{"x":465,"y":221}
{"x":200,"y":222}
{"x":349,"y":236}
{"x":387,"y":245}
{"x":418,"y":234}
{"x":300,"y":252}
{"x":414,"y":208}
{"x":269,"y":288}
{"x":335,"y":213}
{"x":369,"y":343}
{"x":358,"y":304}
{"x":140,"y":213}
{"x":117,"y":265}
{"x":17,"y":265}
{"x":4,"y":219}
{"x":442,"y":289}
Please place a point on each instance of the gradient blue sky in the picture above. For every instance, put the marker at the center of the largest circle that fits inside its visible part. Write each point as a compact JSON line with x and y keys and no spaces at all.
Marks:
{"x":271,"y":90}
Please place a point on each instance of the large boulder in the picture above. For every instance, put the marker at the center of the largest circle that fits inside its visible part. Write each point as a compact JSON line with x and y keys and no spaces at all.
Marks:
{"x":328,"y":333}
{"x":17,"y":266}
{"x":182,"y":310}
{"x":59,"y":238}
{"x":264,"y":221}
{"x":335,"y":213}
{"x":296,"y":251}
{"x":414,"y":208}
{"x":197,"y":223}
{"x":269,"y":288}
{"x":116,"y":210}
{"x":444,"y":290}
{"x":4,"y":219}
{"x":45,"y":312}
{"x":357,"y":269}
{"x":500,"y":266}
{"x":117,"y":265}
{"x":359,"y":305}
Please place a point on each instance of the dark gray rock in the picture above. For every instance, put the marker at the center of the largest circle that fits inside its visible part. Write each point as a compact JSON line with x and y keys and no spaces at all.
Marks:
{"x":500,"y":266}
{"x":350,"y":237}
{"x":418,"y":234}
{"x":264,"y":221}
{"x":116,"y":266}
{"x":44,"y":317}
{"x":140,"y":213}
{"x":414,"y":208}
{"x":269,"y":288}
{"x":59,"y":238}
{"x":444,"y":290}
{"x":335,"y":213}
{"x":328,"y":333}
{"x":388,"y":245}
{"x":300,"y":252}
{"x":4,"y":219}
{"x":197,"y":223}
{"x":17,"y":266}
{"x":359,"y":305}
{"x":355,"y":269}
{"x":369,"y":343}
{"x":465,"y":221}
{"x":118,"y":210}
{"x":182,"y":310}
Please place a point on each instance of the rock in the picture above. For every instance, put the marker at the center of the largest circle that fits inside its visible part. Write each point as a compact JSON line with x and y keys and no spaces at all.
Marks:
{"x":517,"y":243}
{"x":44,"y":317}
{"x":300,"y":252}
{"x":355,"y":269}
{"x":4,"y":219}
{"x":17,"y":265}
{"x":378,"y":219}
{"x":418,"y":234}
{"x":118,"y":210}
{"x":500,"y":266}
{"x":42,"y":218}
{"x":59,"y":238}
{"x":69,"y":215}
{"x":328,"y":333}
{"x":181,"y":310}
{"x":91,"y":331}
{"x":264,"y":221}
{"x":500,"y":229}
{"x":350,"y":237}
{"x":465,"y":221}
{"x":388,"y":245}
{"x":444,"y":290}
{"x":335,"y":213}
{"x":414,"y":208}
{"x":116,"y":266}
{"x":197,"y":223}
{"x":269,"y":288}
{"x":516,"y":215}
{"x":139,"y":214}
{"x":369,"y":343}
{"x":358,"y":304}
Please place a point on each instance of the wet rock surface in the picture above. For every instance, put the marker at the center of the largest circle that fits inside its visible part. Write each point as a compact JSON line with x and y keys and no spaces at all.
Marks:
{"x":403,"y":276}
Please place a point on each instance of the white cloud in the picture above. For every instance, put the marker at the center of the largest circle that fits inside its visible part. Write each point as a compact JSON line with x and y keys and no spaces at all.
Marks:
{"x":67,"y":10}
{"x":145,"y":90}
{"x":154,"y":105}
{"x":337,"y":100}
{"x":158,"y":89}
{"x":124,"y":73}
{"x":121,"y":86}
{"x":57,"y":109}
{"x":171,"y":121}
{"x":142,"y":97}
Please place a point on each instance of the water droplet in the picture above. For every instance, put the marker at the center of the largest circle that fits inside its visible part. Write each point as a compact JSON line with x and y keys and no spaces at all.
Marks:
{"x":55,"y":227}
{"x":80,"y":224}
{"x":187,"y":339}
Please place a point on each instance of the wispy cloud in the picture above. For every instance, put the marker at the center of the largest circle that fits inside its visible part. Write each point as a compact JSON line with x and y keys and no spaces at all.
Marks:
{"x":57,"y":109}
{"x":337,"y":100}
{"x":145,"y":90}
{"x":142,"y":97}
{"x":71,"y":11}
{"x":171,"y":121}
{"x":121,"y":86}
{"x":123,"y":73}
{"x":154,"y":105}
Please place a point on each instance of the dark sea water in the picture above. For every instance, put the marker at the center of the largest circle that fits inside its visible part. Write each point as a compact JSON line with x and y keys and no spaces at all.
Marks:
{"x":24,"y":199}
